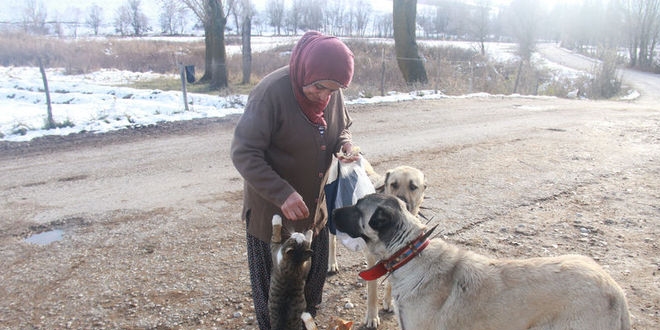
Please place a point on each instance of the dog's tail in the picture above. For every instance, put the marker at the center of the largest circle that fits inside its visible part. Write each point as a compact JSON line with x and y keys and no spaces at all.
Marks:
{"x":624,"y":314}
{"x":625,"y":319}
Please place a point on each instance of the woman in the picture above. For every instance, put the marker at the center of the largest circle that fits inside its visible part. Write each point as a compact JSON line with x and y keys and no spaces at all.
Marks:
{"x":294,"y":120}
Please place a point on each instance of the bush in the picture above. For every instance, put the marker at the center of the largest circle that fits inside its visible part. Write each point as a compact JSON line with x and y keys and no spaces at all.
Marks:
{"x":606,"y":81}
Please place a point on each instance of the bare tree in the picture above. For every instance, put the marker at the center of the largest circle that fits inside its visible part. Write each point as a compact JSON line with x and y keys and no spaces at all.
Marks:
{"x":57,"y":26}
{"x":612,"y":32}
{"x":405,"y":44}
{"x":523,"y":24}
{"x":581,"y":24}
{"x":425,"y":21}
{"x":334,"y":17}
{"x":293,"y":16}
{"x":643,"y":26}
{"x":383,"y":26}
{"x":362,"y":14}
{"x":34,"y":17}
{"x":94,"y":18}
{"x":172,"y":16}
{"x":275,"y":14}
{"x":348,"y":20}
{"x":130,"y":19}
{"x":73,"y":20}
{"x":312,"y":14}
{"x":139,"y":20}
{"x":212,"y":15}
{"x":452,"y":18}
{"x":479,"y":23}
{"x":122,"y":20}
{"x":441,"y":20}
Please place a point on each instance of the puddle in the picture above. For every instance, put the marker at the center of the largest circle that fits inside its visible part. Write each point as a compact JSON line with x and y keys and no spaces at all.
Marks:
{"x":46,"y":237}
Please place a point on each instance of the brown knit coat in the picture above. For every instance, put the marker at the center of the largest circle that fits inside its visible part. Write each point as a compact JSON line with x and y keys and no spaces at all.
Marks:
{"x":278,"y":150}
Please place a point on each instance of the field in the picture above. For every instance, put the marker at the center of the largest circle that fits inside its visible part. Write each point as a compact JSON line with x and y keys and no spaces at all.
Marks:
{"x":151,"y":236}
{"x":152,"y":239}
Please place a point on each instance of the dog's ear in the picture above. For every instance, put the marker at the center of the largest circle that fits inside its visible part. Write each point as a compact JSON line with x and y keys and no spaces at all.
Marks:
{"x":381,"y":218}
{"x":385,"y":219}
{"x":395,"y":185}
{"x":387,"y":176}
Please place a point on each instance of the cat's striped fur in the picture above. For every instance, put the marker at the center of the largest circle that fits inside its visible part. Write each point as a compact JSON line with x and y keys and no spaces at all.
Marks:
{"x":291,"y":264}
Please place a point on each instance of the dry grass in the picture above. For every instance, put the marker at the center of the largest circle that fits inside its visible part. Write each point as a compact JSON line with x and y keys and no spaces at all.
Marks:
{"x":450,"y":70}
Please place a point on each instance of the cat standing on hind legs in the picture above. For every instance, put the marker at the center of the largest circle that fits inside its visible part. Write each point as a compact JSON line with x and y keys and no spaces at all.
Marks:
{"x":291,"y":263}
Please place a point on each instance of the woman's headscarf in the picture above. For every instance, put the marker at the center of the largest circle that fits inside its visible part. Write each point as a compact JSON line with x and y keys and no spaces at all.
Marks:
{"x":318,"y":57}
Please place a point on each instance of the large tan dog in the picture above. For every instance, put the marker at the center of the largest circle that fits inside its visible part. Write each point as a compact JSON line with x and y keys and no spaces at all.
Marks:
{"x":439,"y":286}
{"x":408,"y":184}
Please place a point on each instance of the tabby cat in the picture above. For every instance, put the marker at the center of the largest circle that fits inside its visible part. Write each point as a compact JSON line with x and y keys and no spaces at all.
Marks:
{"x":291,"y":264}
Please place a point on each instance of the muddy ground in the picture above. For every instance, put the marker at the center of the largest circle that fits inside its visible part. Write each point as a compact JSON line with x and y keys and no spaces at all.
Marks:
{"x":151,"y":235}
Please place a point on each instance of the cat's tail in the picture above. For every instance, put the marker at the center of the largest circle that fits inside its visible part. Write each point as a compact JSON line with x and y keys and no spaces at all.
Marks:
{"x":276,"y":236}
{"x":309,"y":321}
{"x":277,"y":220}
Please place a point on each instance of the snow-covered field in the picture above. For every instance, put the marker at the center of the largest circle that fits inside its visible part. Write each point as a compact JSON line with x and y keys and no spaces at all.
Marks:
{"x":93,"y":102}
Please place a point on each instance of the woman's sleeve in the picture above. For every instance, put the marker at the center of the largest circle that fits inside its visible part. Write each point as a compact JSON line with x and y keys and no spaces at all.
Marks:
{"x":345,"y":135}
{"x":252,"y":137}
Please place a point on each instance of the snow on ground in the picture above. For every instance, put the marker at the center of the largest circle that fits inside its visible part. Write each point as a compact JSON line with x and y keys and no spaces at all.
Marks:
{"x":94,"y":102}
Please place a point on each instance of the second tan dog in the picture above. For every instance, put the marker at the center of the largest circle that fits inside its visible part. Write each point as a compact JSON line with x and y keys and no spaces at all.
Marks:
{"x":408,"y":184}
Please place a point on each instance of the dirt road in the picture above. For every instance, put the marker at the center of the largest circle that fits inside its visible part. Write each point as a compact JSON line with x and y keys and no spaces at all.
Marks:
{"x":151,"y":236}
{"x":647,"y":83}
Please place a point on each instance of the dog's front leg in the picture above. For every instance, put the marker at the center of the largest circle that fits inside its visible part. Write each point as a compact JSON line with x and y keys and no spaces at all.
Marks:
{"x":372,"y":319}
{"x":333,"y":266}
{"x":388,"y":304}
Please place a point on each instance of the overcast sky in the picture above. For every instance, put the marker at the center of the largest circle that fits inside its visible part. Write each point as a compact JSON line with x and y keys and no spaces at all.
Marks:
{"x":12,"y":10}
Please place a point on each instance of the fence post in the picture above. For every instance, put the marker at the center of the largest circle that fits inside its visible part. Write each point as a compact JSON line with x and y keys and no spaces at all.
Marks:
{"x":49,"y":107}
{"x":382,"y":73}
{"x":182,"y":70}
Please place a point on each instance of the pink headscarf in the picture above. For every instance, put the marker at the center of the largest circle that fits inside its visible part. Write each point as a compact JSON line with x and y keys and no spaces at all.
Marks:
{"x":318,"y":57}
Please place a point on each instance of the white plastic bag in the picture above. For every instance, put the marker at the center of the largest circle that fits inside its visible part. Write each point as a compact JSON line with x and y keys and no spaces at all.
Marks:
{"x":351,"y":183}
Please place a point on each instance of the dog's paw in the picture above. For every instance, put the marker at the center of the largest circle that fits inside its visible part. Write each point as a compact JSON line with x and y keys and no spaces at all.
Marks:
{"x":333,"y":268}
{"x":388,"y":305}
{"x":373,"y":321}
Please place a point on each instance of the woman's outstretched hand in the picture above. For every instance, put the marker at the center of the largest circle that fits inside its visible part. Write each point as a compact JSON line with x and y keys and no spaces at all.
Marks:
{"x":294,"y":207}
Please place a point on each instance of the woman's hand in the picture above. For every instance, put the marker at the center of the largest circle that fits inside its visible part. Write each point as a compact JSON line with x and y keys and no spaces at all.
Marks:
{"x":294,"y":207}
{"x":349,"y":153}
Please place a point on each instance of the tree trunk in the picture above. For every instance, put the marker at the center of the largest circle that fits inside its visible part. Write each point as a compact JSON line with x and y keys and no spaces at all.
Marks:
{"x":518,"y":74}
{"x":246,"y":32}
{"x":633,"y":53}
{"x":218,"y":22}
{"x":208,"y":55}
{"x":408,"y":59}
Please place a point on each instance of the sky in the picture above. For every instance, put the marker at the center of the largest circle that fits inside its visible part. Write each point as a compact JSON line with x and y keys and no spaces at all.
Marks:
{"x":78,"y":11}
{"x":11,"y":9}
{"x":94,"y":103}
